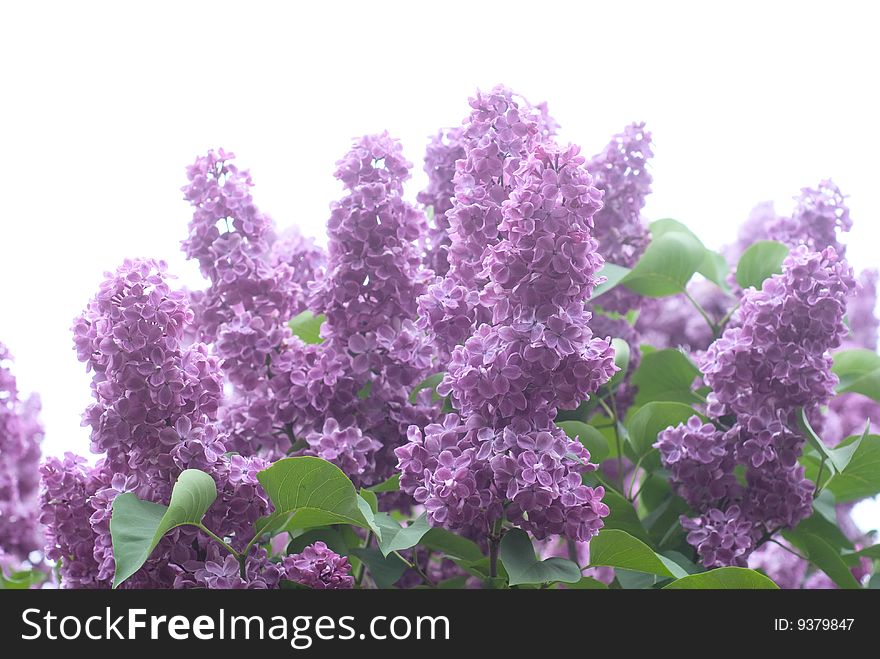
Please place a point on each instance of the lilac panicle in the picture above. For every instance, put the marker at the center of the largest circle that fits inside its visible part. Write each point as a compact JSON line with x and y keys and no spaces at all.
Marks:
{"x":318,"y":567}
{"x":820,"y":215}
{"x":20,"y":437}
{"x":154,"y":415}
{"x":776,"y":354}
{"x":773,"y":360}
{"x":444,"y":149}
{"x":523,"y":263}
{"x":347,"y":398}
{"x":620,"y":172}
{"x":257,"y":282}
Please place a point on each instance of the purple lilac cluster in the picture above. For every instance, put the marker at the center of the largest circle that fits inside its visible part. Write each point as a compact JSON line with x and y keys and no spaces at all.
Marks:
{"x":257,"y":283}
{"x":496,"y":137}
{"x":20,"y":437}
{"x":820,"y":215}
{"x":523,"y":211}
{"x":444,"y":149}
{"x":319,"y":568}
{"x":347,"y":398}
{"x":772,"y":361}
{"x":621,"y":173}
{"x":154,"y":415}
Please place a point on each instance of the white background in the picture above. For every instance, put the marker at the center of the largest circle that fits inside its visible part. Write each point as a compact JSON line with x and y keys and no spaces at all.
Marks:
{"x":102,"y":105}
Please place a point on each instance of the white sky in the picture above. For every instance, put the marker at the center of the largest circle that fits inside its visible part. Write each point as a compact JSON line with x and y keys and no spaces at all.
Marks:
{"x":103,"y":104}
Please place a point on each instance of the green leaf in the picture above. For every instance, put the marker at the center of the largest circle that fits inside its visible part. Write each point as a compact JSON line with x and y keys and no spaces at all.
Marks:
{"x":21,"y":579}
{"x":814,"y":440}
{"x":759,"y":262}
{"x":592,"y":439}
{"x":330,"y":536}
{"x":365,"y":391}
{"x":858,"y":371}
{"x":843,"y":454}
{"x":621,"y":360}
{"x":825,"y":527}
{"x":861,"y":478}
{"x":726,"y":578}
{"x":618,"y":549}
{"x":313,"y":492}
{"x":651,"y":419}
{"x":453,"y":583}
{"x":385,"y":570}
{"x":614,"y":274}
{"x":853,"y":558}
{"x":136,"y":526}
{"x":824,"y":556}
{"x":307,"y":326}
{"x":523,"y":567}
{"x":429,"y":382}
{"x":396,"y":537}
{"x":372,"y":500}
{"x":665,"y":375}
{"x":714,"y":268}
{"x":666,"y":266}
{"x":588,"y":583}
{"x":451,"y":545}
{"x":390,"y":485}
{"x":623,"y":516}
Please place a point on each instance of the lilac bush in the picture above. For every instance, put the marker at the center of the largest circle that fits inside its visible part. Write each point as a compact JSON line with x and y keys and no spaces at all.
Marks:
{"x":426,"y":401}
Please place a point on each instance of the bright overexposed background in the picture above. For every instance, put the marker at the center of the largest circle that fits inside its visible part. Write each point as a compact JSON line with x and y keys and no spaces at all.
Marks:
{"x":103,"y":104}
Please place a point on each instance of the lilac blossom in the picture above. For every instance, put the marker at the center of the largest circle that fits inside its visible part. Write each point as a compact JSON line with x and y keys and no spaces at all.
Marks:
{"x":620,"y":172}
{"x":524,"y":209}
{"x":20,"y":437}
{"x":319,"y":568}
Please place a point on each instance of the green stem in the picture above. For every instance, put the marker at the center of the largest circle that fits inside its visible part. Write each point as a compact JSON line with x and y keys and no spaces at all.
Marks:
{"x":218,"y":540}
{"x":727,"y":316}
{"x":494,"y":541}
{"x":788,"y":549}
{"x":360,"y":573}
{"x":819,"y":487}
{"x":612,"y":413}
{"x":703,"y":313}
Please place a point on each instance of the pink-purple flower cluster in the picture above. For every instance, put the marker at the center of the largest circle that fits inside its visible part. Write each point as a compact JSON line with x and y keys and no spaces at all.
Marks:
{"x":154,"y":415}
{"x":521,"y":238}
{"x":257,"y":283}
{"x":347,"y":397}
{"x":773,"y":361}
{"x":20,"y":437}
{"x":620,"y":172}
{"x":319,"y":568}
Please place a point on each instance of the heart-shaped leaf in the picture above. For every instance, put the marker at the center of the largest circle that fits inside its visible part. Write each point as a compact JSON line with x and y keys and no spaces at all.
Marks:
{"x":136,"y":526}
{"x":727,"y":578}
{"x":309,"y":492}
{"x":523,"y":567}
{"x":396,"y":537}
{"x":760,"y":261}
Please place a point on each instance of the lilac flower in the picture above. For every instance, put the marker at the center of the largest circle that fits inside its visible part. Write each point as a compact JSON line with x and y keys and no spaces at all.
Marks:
{"x":257,"y":283}
{"x":700,"y":462}
{"x":776,"y":354}
{"x":620,"y":173}
{"x":444,"y":149}
{"x":20,"y":437}
{"x":819,"y":216}
{"x":154,"y":415}
{"x":347,"y":398}
{"x":319,"y":568}
{"x":521,"y":240}
{"x":861,"y":315}
{"x":721,"y":538}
